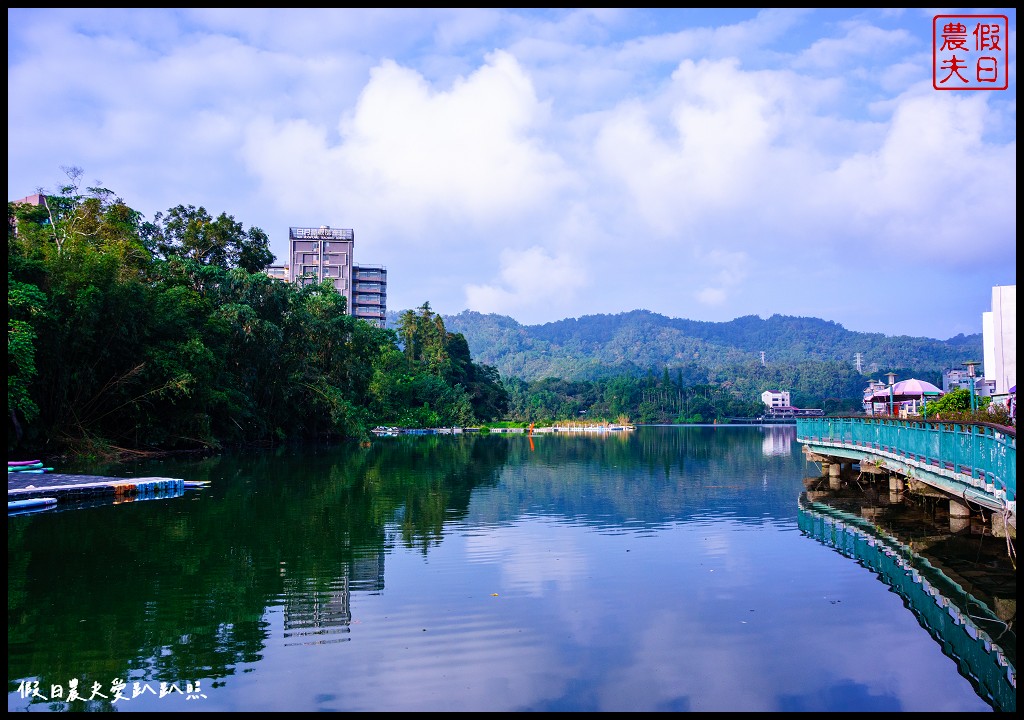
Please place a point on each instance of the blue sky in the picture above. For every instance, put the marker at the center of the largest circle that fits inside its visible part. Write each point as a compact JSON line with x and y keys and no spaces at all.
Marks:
{"x":553,"y":163}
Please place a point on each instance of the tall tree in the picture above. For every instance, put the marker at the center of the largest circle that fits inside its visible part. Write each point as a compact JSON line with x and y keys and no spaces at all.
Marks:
{"x":190,"y":232}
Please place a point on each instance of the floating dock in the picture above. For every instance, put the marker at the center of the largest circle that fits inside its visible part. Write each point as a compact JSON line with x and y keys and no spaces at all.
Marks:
{"x":51,"y":489}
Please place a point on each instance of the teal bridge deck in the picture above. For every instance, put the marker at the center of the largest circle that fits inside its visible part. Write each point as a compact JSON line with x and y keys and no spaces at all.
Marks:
{"x":973,"y":461}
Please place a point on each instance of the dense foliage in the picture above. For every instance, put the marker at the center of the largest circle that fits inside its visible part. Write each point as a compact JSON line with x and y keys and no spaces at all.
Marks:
{"x":651,"y":368}
{"x":687,"y":394}
{"x":597,"y":346}
{"x":956,"y":405}
{"x":125,"y":334}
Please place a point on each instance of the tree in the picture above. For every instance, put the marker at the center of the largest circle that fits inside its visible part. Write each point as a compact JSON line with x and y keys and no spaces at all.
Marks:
{"x":487,"y":394}
{"x":407,"y":330}
{"x":24,"y":303}
{"x":957,"y":400}
{"x":192,"y":233}
{"x":254,"y":253}
{"x":61,"y":207}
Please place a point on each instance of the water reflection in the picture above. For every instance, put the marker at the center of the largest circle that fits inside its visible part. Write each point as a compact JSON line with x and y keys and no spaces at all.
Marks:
{"x":299,"y":528}
{"x":660,"y":569}
{"x":643,"y":480}
{"x":967,"y":628}
{"x":778,"y":439}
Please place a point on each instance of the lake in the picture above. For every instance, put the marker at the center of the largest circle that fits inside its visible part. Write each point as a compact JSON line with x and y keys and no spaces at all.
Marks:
{"x":660,"y":569}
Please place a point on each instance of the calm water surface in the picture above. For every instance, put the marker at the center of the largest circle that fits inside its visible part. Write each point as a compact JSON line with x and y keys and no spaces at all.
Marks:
{"x":660,"y":569}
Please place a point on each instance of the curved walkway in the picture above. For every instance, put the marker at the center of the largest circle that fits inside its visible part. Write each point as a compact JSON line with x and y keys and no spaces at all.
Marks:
{"x":972,"y":461}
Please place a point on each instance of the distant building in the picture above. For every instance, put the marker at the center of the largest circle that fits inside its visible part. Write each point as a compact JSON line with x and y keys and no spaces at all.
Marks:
{"x":370,"y":293}
{"x":326,"y":253}
{"x":777,"y":402}
{"x":958,"y":378}
{"x":775,"y":398}
{"x":983,"y":387}
{"x":870,"y":406}
{"x":323,"y":253}
{"x":1000,"y":339}
{"x":279,"y":271}
{"x":953,"y":379}
{"x":36,"y":200}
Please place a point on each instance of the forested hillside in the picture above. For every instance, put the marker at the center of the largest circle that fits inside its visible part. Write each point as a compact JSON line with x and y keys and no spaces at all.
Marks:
{"x":597,"y":346}
{"x":651,"y":368}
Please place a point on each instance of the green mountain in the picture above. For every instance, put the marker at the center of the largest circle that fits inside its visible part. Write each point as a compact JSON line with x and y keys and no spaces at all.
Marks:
{"x":599,"y":346}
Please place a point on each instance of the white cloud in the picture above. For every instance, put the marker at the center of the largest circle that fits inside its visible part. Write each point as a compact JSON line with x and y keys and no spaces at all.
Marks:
{"x":861,"y":42}
{"x":530,"y":279}
{"x":726,"y":270}
{"x":411,"y":156}
{"x":921,"y":194}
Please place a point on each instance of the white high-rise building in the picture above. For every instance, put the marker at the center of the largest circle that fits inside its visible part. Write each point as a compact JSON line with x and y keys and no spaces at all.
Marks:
{"x":999,"y":327}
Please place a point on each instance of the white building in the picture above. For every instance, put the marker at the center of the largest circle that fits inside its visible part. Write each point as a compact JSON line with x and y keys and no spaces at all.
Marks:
{"x":775,"y":398}
{"x":1000,"y":340}
{"x":958,"y":378}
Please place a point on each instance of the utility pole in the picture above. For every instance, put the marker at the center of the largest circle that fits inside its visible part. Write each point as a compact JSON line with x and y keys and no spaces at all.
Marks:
{"x":762,"y":359}
{"x":857,"y":359}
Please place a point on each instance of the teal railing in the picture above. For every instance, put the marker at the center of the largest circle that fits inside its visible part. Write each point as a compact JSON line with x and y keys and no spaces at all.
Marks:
{"x":987,"y":454}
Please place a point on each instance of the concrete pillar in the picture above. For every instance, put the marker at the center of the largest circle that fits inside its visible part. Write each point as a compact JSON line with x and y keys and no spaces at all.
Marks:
{"x":959,"y":516}
{"x":895,"y":487}
{"x":834,"y":476}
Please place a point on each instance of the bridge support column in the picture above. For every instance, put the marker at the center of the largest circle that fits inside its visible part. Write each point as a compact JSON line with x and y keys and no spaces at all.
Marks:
{"x":895,"y":489}
{"x":959,"y":516}
{"x":835,"y":476}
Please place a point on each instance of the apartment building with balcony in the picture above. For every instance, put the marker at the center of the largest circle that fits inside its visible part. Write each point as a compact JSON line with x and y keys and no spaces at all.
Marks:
{"x":280,"y":272}
{"x":326,"y":253}
{"x":370,"y":293}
